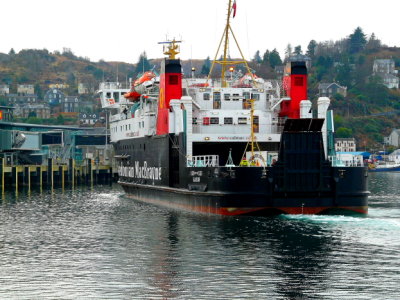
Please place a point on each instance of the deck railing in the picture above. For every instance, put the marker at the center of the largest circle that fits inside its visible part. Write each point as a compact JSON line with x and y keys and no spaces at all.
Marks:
{"x":346,"y":160}
{"x":203,"y":161}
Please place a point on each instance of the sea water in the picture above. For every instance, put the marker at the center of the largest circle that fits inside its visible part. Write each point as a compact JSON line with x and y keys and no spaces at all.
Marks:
{"x":96,"y":243}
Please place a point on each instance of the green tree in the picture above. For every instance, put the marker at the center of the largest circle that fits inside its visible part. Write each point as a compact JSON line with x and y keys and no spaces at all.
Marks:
{"x":38,"y":91}
{"x":343,"y":132}
{"x":297,"y":50}
{"x":312,"y":45}
{"x":257,"y":58}
{"x":373,"y":44}
{"x":71,"y":80}
{"x":143,"y":64}
{"x":12,"y":52}
{"x":265,"y":60}
{"x":275,"y":59}
{"x":60,"y":120}
{"x":3,"y":100}
{"x":344,"y":75}
{"x":32,"y":114}
{"x":288,"y":51}
{"x":205,"y":69}
{"x":357,"y":41}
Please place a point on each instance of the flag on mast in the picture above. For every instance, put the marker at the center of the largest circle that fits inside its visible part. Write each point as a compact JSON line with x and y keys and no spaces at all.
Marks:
{"x":234,"y":8}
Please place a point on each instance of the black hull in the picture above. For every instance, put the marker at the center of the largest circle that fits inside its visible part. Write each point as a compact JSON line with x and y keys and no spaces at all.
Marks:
{"x":153,"y":170}
{"x":232,"y":200}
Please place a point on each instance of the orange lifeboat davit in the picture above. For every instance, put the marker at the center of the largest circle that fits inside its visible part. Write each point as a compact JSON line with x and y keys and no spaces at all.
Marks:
{"x":137,"y":88}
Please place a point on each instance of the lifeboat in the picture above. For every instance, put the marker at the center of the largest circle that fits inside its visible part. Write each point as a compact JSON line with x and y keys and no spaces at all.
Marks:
{"x":139,"y":85}
{"x":200,"y":85}
{"x":245,"y":81}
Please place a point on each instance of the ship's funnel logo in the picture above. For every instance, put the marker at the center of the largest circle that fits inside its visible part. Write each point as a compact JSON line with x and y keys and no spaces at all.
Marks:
{"x":162,"y":98}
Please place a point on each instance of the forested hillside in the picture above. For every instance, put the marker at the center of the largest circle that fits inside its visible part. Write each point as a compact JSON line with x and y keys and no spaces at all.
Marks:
{"x":369,"y":110}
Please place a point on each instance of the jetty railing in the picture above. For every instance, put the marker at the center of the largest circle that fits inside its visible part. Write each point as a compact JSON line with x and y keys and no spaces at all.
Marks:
{"x":54,"y":175}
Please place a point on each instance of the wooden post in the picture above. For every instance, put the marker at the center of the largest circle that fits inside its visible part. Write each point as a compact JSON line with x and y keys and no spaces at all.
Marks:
{"x":41,"y":178}
{"x":50,"y":175}
{"x":28,"y":178}
{"x":2,"y":175}
{"x":62,"y":177}
{"x":15,"y":174}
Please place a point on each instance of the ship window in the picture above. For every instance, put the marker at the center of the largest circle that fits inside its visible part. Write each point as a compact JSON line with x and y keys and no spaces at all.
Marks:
{"x":173,"y":79}
{"x":255,"y":96}
{"x":246,"y":95}
{"x":194,"y":121}
{"x":206,"y":96}
{"x":227,"y":97}
{"x":108,"y":95}
{"x":214,"y":120}
{"x":298,"y":81}
{"x":236,"y":97}
{"x":242,"y":120}
{"x":228,"y":120}
{"x":256,"y":127}
{"x":217,"y":100}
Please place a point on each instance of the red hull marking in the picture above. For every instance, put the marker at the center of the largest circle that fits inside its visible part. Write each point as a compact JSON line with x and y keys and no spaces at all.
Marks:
{"x":236,"y":211}
{"x":319,"y":210}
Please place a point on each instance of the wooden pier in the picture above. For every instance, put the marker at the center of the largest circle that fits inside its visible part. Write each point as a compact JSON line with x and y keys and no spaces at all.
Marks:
{"x":54,"y":175}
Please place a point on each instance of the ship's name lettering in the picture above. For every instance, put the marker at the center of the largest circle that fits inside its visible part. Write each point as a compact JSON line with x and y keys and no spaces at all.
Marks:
{"x":138,"y":171}
{"x":231,"y":138}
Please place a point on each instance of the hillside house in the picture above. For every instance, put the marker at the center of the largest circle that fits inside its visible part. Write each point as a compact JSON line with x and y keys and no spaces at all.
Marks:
{"x":58,"y":86}
{"x":88,"y":118}
{"x":4,"y":89}
{"x":393,"y":139}
{"x":54,"y":97}
{"x":25,"y":89}
{"x":83,"y":89}
{"x":21,"y":99}
{"x":345,"y":145}
{"x":41,"y":111}
{"x":70,"y":104}
{"x":385,"y":68}
{"x":331,"y":89}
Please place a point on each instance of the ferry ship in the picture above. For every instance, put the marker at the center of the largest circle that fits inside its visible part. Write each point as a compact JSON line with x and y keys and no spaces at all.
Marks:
{"x":236,"y":145}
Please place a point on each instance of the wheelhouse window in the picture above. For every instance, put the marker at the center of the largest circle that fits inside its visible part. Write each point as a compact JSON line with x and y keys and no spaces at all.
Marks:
{"x":227,"y":97}
{"x":214,"y":120}
{"x":206,"y":96}
{"x":228,"y":121}
{"x":242,"y":121}
{"x":194,"y":121}
{"x":246,"y":95}
{"x":235,"y":97}
{"x":255,"y":96}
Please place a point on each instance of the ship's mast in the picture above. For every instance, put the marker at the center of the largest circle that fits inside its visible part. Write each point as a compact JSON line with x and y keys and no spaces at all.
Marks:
{"x":224,"y":63}
{"x":252,"y":142}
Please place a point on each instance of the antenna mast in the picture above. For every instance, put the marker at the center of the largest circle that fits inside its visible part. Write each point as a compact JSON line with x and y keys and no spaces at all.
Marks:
{"x":224,"y":63}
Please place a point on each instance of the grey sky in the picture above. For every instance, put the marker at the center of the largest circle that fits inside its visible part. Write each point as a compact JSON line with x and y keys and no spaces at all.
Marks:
{"x":120,"y":30}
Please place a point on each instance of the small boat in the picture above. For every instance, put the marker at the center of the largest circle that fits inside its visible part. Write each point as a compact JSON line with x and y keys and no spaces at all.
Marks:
{"x":391,"y":163}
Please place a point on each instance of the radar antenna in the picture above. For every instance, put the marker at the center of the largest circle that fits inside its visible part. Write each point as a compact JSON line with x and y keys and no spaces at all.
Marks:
{"x":171,"y":48}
